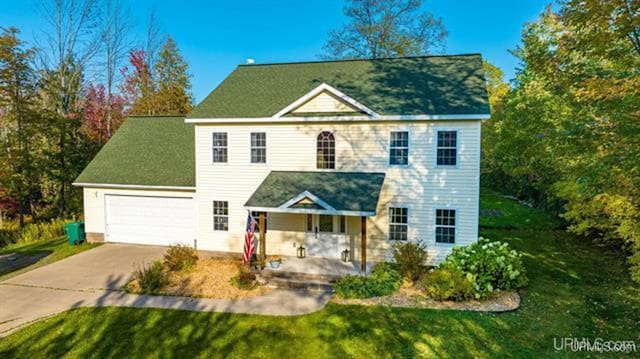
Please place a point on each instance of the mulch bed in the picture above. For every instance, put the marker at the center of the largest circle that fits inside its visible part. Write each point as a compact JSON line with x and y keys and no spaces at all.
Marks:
{"x":211,"y":278}
{"x":408,"y":297}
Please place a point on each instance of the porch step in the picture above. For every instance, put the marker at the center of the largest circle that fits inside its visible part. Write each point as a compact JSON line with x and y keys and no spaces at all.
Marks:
{"x":285,"y":283}
{"x":269,"y":274}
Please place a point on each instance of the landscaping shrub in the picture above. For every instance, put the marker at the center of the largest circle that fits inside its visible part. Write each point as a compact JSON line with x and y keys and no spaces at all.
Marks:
{"x":410,"y":258}
{"x":152,"y":278}
{"x":383,"y":280}
{"x":490,"y":265}
{"x":447,"y":284}
{"x":244,"y":279}
{"x":180,"y":257}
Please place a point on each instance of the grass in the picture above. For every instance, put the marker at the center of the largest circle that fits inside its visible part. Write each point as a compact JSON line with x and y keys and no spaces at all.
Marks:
{"x":513,"y":215}
{"x":577,"y":289}
{"x":57,"y":248}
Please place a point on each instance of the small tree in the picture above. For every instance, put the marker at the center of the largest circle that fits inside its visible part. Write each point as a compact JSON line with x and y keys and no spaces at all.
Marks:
{"x":410,"y":258}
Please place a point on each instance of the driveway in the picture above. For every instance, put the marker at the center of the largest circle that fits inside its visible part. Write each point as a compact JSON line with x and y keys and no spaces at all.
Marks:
{"x":94,"y":278}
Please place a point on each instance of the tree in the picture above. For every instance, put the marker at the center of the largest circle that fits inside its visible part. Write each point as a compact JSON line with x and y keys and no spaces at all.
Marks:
{"x":174,"y":95}
{"x":115,"y":37}
{"x":71,"y":43}
{"x":165,"y":91}
{"x":17,"y":91}
{"x":102,"y":113}
{"x":138,"y":86}
{"x":570,"y":124}
{"x":386,"y":28}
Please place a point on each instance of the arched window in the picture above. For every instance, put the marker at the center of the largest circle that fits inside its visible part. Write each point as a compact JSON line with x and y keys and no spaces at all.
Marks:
{"x":326,"y":150}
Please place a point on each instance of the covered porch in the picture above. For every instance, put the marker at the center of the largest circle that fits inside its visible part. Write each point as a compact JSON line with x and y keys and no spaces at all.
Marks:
{"x":323,"y":215}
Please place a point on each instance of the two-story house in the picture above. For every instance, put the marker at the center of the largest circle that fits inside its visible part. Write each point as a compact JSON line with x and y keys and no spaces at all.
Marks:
{"x":353,"y":154}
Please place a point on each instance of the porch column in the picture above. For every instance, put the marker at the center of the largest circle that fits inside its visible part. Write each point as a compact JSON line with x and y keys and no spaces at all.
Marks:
{"x":363,"y":243}
{"x":263,"y":240}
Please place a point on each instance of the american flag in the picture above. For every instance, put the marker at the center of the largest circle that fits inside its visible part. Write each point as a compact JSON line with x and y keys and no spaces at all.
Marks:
{"x":248,"y":239}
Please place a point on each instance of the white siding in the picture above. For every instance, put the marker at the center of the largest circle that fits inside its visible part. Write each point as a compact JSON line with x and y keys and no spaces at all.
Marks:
{"x":324,"y":102}
{"x":420,"y":186}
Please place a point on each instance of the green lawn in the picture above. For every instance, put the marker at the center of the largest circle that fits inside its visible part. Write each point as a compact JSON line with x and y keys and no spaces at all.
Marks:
{"x":57,"y":248}
{"x":576,"y":289}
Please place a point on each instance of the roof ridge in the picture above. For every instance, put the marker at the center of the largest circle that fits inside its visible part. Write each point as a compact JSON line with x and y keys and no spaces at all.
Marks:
{"x":355,"y":60}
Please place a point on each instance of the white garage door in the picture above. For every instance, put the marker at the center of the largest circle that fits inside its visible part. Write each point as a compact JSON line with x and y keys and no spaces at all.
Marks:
{"x":150,"y":220}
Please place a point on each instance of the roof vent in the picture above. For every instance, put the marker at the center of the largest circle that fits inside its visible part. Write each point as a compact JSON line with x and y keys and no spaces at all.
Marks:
{"x":250,"y":61}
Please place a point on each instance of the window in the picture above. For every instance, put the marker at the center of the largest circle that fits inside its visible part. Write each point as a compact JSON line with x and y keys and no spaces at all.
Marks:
{"x":445,"y":225}
{"x":398,"y":224}
{"x":219,"y":143}
{"x":258,"y":147}
{"x":399,"y":148}
{"x":256,"y":217}
{"x":325,"y":223}
{"x":342,"y":224}
{"x":447,"y":148}
{"x":326,"y":151}
{"x":220,"y":215}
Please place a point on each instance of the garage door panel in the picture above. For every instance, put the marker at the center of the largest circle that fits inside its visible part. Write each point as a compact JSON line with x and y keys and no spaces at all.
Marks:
{"x":150,"y":220}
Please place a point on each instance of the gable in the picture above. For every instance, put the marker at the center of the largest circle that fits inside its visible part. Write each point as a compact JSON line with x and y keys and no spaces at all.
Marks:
{"x":325,"y":102}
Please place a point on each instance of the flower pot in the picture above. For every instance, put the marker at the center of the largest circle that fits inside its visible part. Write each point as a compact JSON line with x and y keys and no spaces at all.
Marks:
{"x":275,"y":264}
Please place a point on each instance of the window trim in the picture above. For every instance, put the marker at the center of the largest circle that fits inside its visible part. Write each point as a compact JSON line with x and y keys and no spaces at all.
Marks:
{"x":457,"y":131}
{"x":225,"y":147}
{"x":213,"y":215}
{"x":251,"y":147}
{"x":337,"y":225}
{"x":408,"y":148}
{"x":335,"y":161}
{"x":389,"y":223}
{"x":436,"y":225}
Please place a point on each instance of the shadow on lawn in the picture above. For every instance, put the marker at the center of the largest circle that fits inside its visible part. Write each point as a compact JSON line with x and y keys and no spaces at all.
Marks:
{"x":576,"y":290}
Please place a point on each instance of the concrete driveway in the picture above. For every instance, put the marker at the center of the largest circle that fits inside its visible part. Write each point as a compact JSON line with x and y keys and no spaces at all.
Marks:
{"x":109,"y":266}
{"x":94,"y":278}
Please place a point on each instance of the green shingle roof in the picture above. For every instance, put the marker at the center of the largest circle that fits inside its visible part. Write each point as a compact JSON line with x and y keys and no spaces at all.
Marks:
{"x":344,"y":191}
{"x":426,"y":85}
{"x":156,"y":151}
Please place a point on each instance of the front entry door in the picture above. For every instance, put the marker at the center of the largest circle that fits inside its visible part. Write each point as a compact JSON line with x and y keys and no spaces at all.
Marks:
{"x":323,"y":238}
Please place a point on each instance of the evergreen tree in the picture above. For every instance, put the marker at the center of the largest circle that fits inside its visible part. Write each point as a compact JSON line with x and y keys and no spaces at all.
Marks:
{"x":174,"y":96}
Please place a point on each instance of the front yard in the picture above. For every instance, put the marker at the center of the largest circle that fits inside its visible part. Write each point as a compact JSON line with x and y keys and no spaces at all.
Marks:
{"x":576,"y":290}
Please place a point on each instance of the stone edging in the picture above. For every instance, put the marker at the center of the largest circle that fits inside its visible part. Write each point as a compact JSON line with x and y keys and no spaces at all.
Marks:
{"x":501,"y":302}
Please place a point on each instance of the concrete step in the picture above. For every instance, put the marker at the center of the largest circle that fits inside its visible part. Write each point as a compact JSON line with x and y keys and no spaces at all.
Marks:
{"x":285,"y":283}
{"x":299,"y":276}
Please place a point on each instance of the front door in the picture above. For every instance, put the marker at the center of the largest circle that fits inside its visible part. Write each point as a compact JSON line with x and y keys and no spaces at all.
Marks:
{"x":325,"y":234}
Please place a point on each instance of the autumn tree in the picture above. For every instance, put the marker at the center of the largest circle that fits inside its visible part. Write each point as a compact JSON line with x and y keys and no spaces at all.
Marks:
{"x":386,"y":28}
{"x":18,"y":120}
{"x":164,"y":91}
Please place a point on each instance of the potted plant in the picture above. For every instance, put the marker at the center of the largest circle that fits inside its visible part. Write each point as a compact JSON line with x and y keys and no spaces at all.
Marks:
{"x":274,"y":262}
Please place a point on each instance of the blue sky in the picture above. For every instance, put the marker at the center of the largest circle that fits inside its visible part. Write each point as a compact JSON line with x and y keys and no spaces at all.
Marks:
{"x":215,"y":36}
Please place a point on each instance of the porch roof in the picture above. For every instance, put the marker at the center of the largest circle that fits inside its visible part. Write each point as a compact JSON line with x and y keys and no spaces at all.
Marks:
{"x":340,"y":193}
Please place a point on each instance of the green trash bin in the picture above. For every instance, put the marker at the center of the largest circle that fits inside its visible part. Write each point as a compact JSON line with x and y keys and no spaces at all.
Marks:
{"x":75,"y":232}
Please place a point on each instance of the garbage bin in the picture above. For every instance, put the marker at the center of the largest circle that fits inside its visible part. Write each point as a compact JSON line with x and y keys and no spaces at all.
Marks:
{"x":75,"y":232}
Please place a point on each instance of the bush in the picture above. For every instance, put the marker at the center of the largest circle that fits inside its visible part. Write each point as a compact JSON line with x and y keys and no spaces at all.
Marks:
{"x":244,"y":279}
{"x":490,"y":265}
{"x":10,"y":233}
{"x":384,"y":280}
{"x":152,"y":278}
{"x":180,"y":257}
{"x":447,"y":284}
{"x":410,"y":258}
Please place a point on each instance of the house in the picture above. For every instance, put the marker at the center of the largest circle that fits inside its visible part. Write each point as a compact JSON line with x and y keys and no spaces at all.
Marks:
{"x":353,"y":154}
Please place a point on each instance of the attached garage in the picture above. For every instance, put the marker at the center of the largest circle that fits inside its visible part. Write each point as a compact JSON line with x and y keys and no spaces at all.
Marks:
{"x":140,"y":187}
{"x":150,"y":220}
